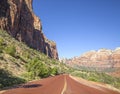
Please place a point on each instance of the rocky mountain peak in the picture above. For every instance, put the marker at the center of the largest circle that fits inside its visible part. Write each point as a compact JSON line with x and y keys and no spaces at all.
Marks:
{"x":18,"y":19}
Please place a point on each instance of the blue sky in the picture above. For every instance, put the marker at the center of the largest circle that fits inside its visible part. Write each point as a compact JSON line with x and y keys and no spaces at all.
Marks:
{"x":78,"y":26}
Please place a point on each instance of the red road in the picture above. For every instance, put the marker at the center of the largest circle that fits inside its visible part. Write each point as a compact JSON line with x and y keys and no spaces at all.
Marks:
{"x":74,"y":87}
{"x":62,"y":84}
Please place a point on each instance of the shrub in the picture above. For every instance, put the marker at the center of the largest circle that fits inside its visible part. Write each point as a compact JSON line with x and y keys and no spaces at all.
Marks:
{"x":1,"y":41}
{"x":98,"y":77}
{"x":38,"y":68}
{"x":1,"y":45}
{"x":54,"y":71}
{"x":28,"y":76}
{"x":93,"y":79}
{"x":11,"y":50}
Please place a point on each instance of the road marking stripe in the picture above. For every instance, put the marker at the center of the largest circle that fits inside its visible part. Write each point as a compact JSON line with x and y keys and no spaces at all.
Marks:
{"x":65,"y":86}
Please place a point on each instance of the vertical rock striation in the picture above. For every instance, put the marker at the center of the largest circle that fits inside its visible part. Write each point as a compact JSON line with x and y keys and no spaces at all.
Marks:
{"x":18,"y":19}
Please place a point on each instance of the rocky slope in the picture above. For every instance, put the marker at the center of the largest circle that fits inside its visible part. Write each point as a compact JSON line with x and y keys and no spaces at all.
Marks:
{"x":103,"y":59}
{"x":20,"y":63}
{"x":15,"y":55}
{"x":18,"y":19}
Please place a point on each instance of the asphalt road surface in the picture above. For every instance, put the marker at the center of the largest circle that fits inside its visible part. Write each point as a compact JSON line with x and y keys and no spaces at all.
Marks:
{"x":61,"y":84}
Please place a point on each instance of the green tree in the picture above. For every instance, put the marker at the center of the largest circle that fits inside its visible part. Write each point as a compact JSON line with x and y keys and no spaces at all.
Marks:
{"x":38,"y":68}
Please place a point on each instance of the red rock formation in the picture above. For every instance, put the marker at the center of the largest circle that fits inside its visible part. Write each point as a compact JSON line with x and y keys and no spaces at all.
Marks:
{"x":102,"y":59}
{"x":18,"y":19}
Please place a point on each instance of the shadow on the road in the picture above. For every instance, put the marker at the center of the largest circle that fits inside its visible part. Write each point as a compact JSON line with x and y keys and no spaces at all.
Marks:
{"x":22,"y":86}
{"x":31,"y":86}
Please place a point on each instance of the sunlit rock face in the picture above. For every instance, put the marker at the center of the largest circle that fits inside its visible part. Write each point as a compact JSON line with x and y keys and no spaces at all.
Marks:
{"x":18,"y":19}
{"x":103,"y":58}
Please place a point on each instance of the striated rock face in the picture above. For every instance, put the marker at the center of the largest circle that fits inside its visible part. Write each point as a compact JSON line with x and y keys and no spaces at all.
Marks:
{"x":103,"y":59}
{"x":100,"y":58}
{"x":18,"y":19}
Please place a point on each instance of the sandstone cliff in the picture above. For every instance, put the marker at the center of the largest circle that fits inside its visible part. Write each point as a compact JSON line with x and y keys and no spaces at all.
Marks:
{"x":18,"y":19}
{"x":103,"y":60}
{"x":100,"y":58}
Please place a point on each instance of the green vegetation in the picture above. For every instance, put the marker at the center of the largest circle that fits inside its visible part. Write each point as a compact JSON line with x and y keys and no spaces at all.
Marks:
{"x":11,"y":50}
{"x":100,"y":69}
{"x":36,"y":68}
{"x":1,"y":45}
{"x":98,"y":77}
{"x":6,"y":79}
{"x":23,"y":63}
{"x":19,"y":64}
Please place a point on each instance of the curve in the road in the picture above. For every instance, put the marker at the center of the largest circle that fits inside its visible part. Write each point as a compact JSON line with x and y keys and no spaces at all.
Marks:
{"x":62,"y":84}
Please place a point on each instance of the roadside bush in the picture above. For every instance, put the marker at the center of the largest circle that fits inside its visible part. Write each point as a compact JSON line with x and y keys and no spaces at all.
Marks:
{"x":28,"y":76}
{"x":38,"y":68}
{"x":53,"y":71}
{"x":98,"y":77}
{"x":93,"y":79}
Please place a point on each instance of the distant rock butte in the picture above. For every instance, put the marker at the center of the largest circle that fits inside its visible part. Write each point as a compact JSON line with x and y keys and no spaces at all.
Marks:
{"x":102,"y":58}
{"x":18,"y":19}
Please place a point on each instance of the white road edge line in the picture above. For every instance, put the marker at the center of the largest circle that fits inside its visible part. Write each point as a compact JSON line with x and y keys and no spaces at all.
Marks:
{"x":65,"y":85}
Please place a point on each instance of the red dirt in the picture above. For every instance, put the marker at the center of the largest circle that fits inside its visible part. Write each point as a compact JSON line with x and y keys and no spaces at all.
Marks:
{"x":55,"y":85}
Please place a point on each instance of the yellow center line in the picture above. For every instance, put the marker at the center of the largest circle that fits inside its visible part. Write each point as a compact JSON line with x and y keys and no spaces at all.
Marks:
{"x":65,"y":85}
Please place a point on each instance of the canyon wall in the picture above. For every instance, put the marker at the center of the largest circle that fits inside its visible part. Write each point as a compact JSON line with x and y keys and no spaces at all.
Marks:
{"x":18,"y":19}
